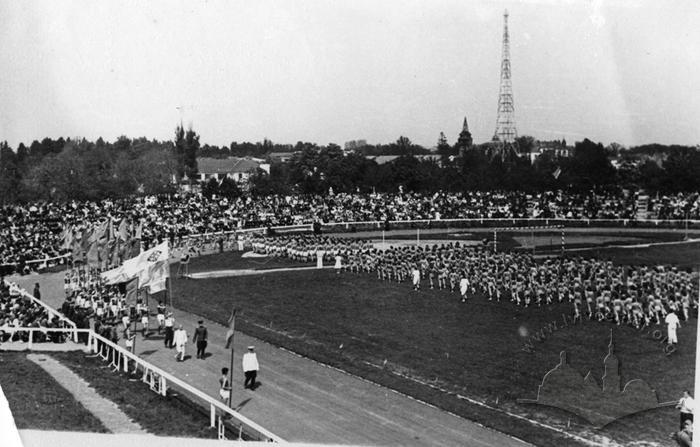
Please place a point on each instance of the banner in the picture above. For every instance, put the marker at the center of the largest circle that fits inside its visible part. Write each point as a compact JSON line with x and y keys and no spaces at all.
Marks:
{"x":140,"y":267}
{"x":155,"y":277}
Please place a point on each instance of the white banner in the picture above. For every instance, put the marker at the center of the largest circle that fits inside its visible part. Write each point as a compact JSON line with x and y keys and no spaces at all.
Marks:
{"x":139,"y":266}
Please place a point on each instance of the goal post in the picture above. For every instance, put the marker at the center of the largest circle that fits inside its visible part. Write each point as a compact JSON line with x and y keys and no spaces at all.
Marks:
{"x":546,"y":238}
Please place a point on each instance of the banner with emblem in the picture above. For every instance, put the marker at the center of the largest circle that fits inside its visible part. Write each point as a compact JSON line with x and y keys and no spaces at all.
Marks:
{"x":139,"y":266}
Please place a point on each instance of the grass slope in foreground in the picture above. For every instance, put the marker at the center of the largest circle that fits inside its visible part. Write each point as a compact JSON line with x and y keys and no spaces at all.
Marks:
{"x":38,"y":402}
{"x":436,"y":347}
{"x":158,"y":415}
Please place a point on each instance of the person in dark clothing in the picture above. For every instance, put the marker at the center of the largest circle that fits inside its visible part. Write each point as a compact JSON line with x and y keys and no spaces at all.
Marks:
{"x":37,"y":292}
{"x":200,"y":338}
{"x":169,"y":331}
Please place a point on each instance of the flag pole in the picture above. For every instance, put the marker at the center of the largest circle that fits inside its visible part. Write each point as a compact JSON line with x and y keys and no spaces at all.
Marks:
{"x":170,"y":283}
{"x":230,"y":371}
{"x":696,"y":385}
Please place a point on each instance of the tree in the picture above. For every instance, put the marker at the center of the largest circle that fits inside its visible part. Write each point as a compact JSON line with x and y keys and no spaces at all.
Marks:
{"x":589,"y":167}
{"x":190,"y":156}
{"x":180,"y":147}
{"x":9,"y":174}
{"x":525,"y":144}
{"x":444,"y":149}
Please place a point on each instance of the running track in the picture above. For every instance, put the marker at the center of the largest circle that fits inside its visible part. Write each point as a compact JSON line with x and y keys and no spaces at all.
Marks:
{"x":301,"y":400}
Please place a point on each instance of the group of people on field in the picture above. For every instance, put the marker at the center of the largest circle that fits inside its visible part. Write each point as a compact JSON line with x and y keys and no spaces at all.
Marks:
{"x":597,"y":290}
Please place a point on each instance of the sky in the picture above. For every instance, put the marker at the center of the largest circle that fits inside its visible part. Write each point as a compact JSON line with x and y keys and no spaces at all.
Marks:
{"x":333,"y":71}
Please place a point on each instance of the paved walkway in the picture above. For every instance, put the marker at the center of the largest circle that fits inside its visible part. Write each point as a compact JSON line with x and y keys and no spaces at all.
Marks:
{"x":103,"y":409}
{"x":301,"y":400}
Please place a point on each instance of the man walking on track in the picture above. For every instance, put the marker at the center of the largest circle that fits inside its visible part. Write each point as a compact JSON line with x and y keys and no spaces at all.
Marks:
{"x":169,"y":322}
{"x":180,"y":341}
{"x":250,"y":367}
{"x":200,"y":338}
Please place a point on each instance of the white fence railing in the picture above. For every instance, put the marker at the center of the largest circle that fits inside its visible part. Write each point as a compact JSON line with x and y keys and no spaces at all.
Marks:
{"x":433,"y":223}
{"x":511,"y":221}
{"x":159,"y":380}
{"x":49,"y":310}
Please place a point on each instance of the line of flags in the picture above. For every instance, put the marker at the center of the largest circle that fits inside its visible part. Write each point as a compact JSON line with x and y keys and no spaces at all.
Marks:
{"x":105,"y":243}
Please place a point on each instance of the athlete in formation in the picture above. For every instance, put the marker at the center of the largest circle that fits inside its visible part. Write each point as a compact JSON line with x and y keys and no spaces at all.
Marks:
{"x":595,"y":289}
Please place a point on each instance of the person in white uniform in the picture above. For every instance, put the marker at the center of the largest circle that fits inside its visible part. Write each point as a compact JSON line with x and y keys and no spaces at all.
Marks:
{"x":672,"y":323}
{"x":180,"y":338}
{"x":250,"y":367}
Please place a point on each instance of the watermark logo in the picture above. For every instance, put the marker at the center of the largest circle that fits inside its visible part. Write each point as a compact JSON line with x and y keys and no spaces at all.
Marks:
{"x":565,"y":388}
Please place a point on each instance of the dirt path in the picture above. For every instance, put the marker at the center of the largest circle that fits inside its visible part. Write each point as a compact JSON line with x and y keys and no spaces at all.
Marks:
{"x":103,"y":409}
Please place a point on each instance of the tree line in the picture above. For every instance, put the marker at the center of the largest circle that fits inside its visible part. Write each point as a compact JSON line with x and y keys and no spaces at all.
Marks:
{"x":78,"y":169}
{"x":68,"y":169}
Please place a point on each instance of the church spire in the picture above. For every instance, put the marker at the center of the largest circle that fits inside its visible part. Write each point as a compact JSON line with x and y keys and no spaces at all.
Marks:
{"x":464,"y":141}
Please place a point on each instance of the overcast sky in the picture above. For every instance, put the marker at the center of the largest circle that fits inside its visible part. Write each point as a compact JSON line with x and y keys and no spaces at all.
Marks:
{"x":331,"y":71}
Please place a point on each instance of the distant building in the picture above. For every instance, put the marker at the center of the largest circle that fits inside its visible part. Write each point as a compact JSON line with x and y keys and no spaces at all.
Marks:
{"x":464,"y":141}
{"x":281,"y":157}
{"x":382,"y":159}
{"x":235,"y":168}
{"x":556,"y":148}
{"x":352,"y":146}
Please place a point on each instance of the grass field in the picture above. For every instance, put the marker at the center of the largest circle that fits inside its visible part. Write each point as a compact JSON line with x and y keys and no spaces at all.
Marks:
{"x":234,"y":261}
{"x":429,"y":345}
{"x":39,"y":402}
{"x":685,"y":256}
{"x":158,"y":415}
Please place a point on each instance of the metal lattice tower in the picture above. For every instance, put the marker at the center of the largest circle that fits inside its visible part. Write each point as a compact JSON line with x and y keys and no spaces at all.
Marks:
{"x":505,"y":120}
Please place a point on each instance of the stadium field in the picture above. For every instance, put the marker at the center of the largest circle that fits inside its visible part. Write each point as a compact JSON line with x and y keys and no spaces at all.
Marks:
{"x":542,"y":240}
{"x":429,"y":345}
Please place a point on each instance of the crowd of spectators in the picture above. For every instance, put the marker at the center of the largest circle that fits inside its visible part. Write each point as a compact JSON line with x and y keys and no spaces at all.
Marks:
{"x":18,"y":310}
{"x":31,"y":236}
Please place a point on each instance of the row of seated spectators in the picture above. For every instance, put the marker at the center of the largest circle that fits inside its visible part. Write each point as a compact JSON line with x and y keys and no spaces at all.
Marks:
{"x":33,"y":233}
{"x":17,"y":310}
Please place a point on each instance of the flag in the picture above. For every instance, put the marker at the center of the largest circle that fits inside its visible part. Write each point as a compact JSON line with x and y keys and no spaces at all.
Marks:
{"x":117,"y":253}
{"x":106,"y":242}
{"x":67,"y":238}
{"x":134,"y":248}
{"x":142,"y":267}
{"x":139,"y":230}
{"x":231,"y":329}
{"x":156,"y":277}
{"x":123,"y":230}
{"x":132,"y":289}
{"x":93,"y":255}
{"x":77,"y":248}
{"x":85,"y":239}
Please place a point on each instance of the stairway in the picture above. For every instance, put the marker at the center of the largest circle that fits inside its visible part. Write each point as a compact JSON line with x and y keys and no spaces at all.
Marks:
{"x":642,"y":206}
